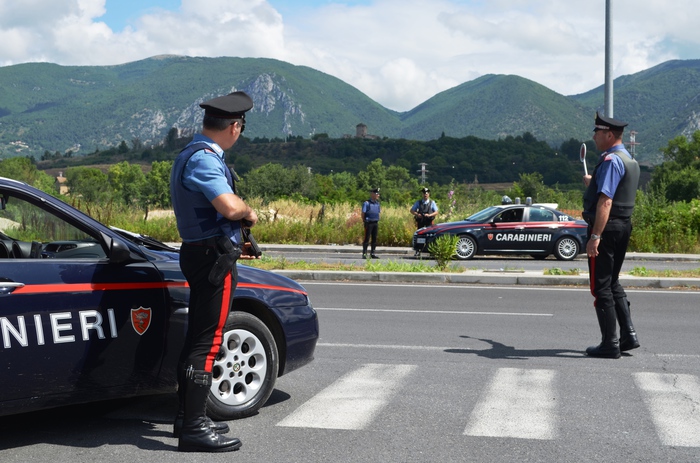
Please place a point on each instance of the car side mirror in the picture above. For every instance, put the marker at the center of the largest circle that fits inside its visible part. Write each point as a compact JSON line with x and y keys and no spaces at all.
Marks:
{"x":119,"y":252}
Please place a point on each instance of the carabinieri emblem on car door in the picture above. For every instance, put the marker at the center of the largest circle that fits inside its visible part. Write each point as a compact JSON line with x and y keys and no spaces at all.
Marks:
{"x":141,"y":319}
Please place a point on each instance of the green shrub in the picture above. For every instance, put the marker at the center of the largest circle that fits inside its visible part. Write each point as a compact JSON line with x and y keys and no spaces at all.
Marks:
{"x":442,"y":250}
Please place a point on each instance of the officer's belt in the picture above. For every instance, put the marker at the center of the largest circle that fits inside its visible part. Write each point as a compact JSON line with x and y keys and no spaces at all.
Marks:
{"x":211,"y":242}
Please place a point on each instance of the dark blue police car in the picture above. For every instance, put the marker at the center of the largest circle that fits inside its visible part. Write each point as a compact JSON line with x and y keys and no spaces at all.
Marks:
{"x":90,"y":313}
{"x":537,"y":230}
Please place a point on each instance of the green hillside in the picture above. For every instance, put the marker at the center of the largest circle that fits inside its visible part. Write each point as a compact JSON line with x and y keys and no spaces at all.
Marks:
{"x":496,"y":106}
{"x":81,"y":109}
{"x":659,"y":104}
{"x":57,"y":108}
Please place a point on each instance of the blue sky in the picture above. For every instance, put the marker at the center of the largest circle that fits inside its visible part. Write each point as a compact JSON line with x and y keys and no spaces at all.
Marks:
{"x":398,"y":52}
{"x":121,"y":13}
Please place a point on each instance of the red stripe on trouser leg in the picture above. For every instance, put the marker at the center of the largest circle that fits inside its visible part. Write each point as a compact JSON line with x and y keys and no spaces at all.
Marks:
{"x":591,"y":278}
{"x":223,"y":316}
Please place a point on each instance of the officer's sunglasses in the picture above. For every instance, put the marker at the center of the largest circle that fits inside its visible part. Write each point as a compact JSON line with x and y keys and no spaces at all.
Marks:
{"x":241,"y":121}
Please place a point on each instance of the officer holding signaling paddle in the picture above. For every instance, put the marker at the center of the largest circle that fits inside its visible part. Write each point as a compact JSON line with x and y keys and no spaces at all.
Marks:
{"x":608,"y":204}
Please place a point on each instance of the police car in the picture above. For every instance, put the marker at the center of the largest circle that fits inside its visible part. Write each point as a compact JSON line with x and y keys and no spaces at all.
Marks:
{"x":537,"y":230}
{"x":90,"y":313}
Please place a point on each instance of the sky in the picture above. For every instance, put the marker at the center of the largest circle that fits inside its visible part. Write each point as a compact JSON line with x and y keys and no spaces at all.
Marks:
{"x":398,"y":52}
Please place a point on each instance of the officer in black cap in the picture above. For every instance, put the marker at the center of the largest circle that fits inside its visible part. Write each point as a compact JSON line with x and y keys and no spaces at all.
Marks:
{"x":370,"y":218}
{"x":424,"y":210}
{"x":608,"y":203}
{"x":209,"y":215}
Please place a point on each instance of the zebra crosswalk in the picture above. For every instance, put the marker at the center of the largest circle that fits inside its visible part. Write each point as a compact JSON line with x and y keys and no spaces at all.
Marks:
{"x":516,"y":403}
{"x":346,"y":404}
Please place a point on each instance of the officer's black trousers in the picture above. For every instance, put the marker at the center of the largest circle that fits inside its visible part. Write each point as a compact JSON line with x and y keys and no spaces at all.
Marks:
{"x":209,"y":306}
{"x":370,"y":233}
{"x":604,"y":269}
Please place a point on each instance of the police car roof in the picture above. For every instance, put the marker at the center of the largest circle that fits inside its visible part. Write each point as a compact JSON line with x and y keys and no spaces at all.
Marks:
{"x":547,"y":205}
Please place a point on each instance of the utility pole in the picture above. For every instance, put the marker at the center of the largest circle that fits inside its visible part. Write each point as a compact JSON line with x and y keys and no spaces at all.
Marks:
{"x":423,"y":172}
{"x":608,"y":60}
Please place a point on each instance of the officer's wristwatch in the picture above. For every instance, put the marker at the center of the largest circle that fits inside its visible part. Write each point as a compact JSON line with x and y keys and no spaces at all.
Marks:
{"x":594,"y":237}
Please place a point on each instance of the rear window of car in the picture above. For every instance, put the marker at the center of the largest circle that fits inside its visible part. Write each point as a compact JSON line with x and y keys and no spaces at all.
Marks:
{"x":541,"y":215}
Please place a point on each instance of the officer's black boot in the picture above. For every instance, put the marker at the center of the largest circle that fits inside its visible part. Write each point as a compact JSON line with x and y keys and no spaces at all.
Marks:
{"x":610,"y":345}
{"x":196,"y":434}
{"x":221,"y":428}
{"x":628,"y":336}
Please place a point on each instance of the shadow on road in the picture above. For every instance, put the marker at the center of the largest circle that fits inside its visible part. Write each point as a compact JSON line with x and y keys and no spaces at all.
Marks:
{"x":501,"y":351}
{"x":143,"y":422}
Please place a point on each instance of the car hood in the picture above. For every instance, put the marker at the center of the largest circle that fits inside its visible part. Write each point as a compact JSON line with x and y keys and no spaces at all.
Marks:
{"x":445,"y":226}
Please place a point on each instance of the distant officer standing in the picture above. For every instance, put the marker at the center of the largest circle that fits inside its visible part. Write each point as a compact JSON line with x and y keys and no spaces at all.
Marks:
{"x":208,"y":217}
{"x":370,"y":218}
{"x":608,"y":204}
{"x":424,"y":210}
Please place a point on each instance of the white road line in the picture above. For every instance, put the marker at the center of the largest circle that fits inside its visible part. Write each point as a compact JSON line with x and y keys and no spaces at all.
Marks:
{"x":390,"y":346}
{"x":470,"y":287}
{"x":351,"y":402}
{"x":450,"y":312}
{"x":520,"y":403}
{"x":674,"y":401}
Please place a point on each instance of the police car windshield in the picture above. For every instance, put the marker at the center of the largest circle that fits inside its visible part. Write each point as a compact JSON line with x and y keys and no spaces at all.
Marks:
{"x":482,"y":216}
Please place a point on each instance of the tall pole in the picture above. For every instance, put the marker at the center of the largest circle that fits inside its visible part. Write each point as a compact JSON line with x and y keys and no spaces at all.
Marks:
{"x":608,"y":60}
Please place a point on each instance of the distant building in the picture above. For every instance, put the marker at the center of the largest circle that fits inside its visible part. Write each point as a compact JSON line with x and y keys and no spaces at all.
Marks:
{"x":60,"y":184}
{"x":361,"y":132}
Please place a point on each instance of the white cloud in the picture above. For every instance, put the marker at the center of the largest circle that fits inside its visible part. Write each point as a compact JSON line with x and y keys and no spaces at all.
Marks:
{"x":399,"y":52}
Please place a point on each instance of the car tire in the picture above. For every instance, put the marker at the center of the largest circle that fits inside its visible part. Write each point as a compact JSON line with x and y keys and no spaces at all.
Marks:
{"x":566,"y":248}
{"x":466,"y":247}
{"x":245,"y":371}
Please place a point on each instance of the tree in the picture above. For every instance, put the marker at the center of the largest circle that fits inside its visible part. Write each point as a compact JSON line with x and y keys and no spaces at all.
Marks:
{"x":683,"y":151}
{"x":123,"y":148}
{"x":529,"y":185}
{"x":126,"y":181}
{"x":156,"y":189}
{"x":679,"y":175}
{"x":88,"y":182}
{"x":24,"y":170}
{"x":273,"y":181}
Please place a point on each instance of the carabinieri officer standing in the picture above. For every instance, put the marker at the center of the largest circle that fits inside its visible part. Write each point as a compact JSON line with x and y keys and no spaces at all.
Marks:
{"x":371,"y":209}
{"x":608,"y":204}
{"x":208,"y":217}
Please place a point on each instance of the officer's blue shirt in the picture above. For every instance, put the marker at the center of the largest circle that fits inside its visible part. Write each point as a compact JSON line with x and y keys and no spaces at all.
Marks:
{"x":417,"y":205}
{"x":611,"y":170}
{"x":204,"y":173}
{"x":371,"y":210}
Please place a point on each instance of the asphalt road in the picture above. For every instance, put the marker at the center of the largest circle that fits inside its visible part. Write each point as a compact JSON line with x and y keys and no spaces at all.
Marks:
{"x":434,"y":373}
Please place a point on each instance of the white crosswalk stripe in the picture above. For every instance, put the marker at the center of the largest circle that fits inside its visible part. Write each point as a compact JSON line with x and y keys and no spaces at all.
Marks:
{"x":519,"y":403}
{"x":674,"y":402}
{"x":353,"y":401}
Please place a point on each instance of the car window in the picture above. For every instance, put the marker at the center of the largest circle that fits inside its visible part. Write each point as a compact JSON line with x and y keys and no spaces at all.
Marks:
{"x":28,"y":231}
{"x":482,"y":215}
{"x":510,"y":215}
{"x":541,"y":215}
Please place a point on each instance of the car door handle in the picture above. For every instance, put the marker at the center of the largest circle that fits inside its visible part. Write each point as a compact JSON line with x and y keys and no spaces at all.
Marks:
{"x":6,"y":287}
{"x":520,"y":228}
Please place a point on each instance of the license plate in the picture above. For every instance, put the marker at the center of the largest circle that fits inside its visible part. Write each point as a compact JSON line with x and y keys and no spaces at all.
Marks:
{"x":420,"y":240}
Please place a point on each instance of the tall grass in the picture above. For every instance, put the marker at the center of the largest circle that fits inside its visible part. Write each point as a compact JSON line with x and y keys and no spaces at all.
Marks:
{"x":658,"y":226}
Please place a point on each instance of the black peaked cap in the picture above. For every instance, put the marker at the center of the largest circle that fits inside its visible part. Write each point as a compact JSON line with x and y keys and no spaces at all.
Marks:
{"x":228,"y":106}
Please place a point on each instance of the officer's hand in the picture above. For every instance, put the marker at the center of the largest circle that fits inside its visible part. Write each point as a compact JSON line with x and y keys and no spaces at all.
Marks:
{"x":586,"y":180}
{"x":592,"y":248}
{"x":251,"y":219}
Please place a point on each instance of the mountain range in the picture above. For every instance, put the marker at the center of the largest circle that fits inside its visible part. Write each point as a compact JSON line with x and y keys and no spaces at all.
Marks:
{"x":48,"y":107}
